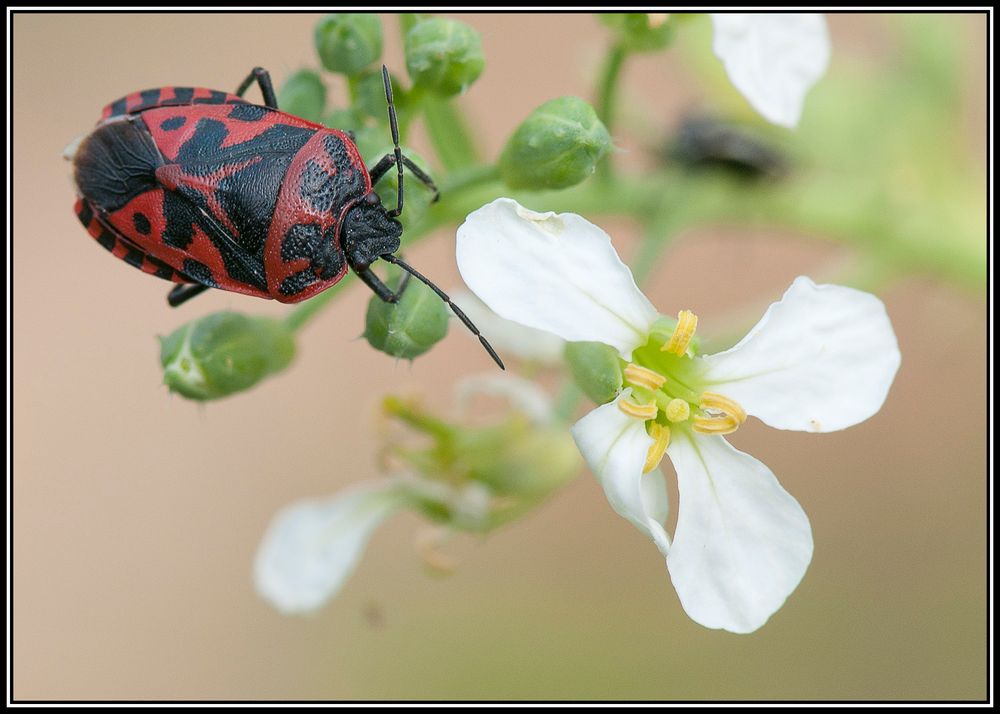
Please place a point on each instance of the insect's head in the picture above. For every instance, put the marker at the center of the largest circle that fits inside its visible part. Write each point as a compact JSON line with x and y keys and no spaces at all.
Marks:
{"x":369,"y":232}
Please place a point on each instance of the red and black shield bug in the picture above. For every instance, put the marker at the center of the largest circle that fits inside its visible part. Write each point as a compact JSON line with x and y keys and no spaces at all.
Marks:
{"x":205,"y":189}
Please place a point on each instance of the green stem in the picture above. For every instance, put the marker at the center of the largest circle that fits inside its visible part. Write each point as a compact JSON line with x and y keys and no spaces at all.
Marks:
{"x":305,"y":312}
{"x":671,"y":201}
{"x":449,"y":134}
{"x":405,"y":411}
{"x":607,"y":91}
{"x":608,"y":86}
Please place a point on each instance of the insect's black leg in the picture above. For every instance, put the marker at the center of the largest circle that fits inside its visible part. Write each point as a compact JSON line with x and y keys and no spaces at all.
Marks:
{"x":263,"y":79}
{"x":383,"y":165}
{"x":182,"y":293}
{"x":381,"y":289}
{"x":389,"y":160}
{"x":389,"y":258}
{"x":423,"y":177}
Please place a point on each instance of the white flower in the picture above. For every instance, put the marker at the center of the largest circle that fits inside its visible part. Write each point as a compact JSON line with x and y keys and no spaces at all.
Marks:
{"x":773,"y":59}
{"x":820,"y":359}
{"x":313,"y":546}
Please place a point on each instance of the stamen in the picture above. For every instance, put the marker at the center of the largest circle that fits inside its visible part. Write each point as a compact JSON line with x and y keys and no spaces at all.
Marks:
{"x":677,"y":410}
{"x":642,"y":377}
{"x":687,"y":321}
{"x":725,"y":424}
{"x":639,"y":411}
{"x":711,"y":400}
{"x":428,"y":543}
{"x":655,"y":454}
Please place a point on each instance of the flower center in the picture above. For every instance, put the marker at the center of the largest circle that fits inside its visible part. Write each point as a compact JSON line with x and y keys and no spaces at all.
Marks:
{"x":666,"y":394}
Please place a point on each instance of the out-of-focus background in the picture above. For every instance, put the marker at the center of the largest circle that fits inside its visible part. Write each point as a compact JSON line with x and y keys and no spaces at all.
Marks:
{"x":137,"y":514}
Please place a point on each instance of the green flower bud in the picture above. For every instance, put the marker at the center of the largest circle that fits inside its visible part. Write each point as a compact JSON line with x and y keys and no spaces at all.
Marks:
{"x":444,"y":56}
{"x":304,"y":95}
{"x":557,"y":146}
{"x":596,"y":369}
{"x":348,"y":42}
{"x":520,"y":461}
{"x":418,"y":197}
{"x":224,"y":353}
{"x":410,"y":327}
{"x":641,"y":32}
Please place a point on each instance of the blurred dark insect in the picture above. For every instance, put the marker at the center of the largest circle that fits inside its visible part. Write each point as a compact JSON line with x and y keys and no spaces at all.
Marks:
{"x":707,"y":142}
{"x":374,"y":615}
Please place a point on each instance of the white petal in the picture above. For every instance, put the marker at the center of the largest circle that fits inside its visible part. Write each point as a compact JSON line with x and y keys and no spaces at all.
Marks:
{"x":525,"y":396}
{"x":821,"y":359}
{"x":509,"y":337}
{"x":614,"y":445}
{"x":773,"y":59}
{"x":742,"y":543}
{"x":311,"y":547}
{"x":654,"y":496}
{"x":553,"y":272}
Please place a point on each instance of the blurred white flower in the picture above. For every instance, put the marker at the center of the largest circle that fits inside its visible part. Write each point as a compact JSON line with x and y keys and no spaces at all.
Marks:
{"x":470,"y":478}
{"x":313,"y":546}
{"x":510,"y":337}
{"x":773,"y":59}
{"x":820,"y":359}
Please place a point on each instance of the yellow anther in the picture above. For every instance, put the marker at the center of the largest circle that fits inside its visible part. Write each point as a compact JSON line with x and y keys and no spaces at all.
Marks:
{"x":717,"y":402}
{"x":677,"y":410}
{"x":639,"y":411}
{"x":654,"y":456}
{"x":725,"y":424}
{"x":642,"y":377}
{"x":687,"y":321}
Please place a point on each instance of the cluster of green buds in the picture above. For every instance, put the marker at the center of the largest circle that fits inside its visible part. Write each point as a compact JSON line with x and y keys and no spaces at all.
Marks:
{"x":477,"y":478}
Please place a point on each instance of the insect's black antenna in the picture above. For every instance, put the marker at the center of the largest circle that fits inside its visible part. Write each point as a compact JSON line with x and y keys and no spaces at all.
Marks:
{"x":395,"y":143}
{"x":454,"y":308}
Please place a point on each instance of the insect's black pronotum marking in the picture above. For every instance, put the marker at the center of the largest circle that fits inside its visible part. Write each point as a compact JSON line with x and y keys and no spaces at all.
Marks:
{"x":141,"y":223}
{"x":172,"y":123}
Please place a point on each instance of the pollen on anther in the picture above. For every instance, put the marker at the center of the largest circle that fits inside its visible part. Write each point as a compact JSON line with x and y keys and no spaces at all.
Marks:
{"x":711,"y":400}
{"x":661,"y":436}
{"x":719,"y":425}
{"x":687,"y":322}
{"x":643,"y":377}
{"x":639,"y":411}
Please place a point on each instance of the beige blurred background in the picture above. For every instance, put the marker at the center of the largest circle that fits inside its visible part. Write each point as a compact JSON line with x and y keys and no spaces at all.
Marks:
{"x":136,"y":514}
